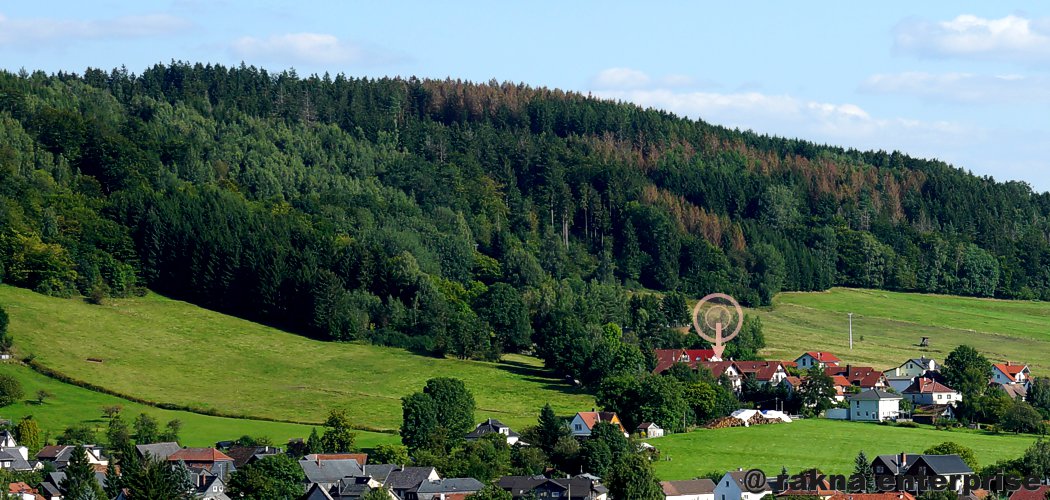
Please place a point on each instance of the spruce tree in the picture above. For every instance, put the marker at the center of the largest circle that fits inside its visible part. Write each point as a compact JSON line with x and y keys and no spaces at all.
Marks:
{"x":551,"y":429}
{"x":863,"y":468}
{"x":80,"y":483}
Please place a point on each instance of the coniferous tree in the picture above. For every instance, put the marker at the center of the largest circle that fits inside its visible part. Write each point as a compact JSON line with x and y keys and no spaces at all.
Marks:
{"x":862,"y":467}
{"x":79,"y":482}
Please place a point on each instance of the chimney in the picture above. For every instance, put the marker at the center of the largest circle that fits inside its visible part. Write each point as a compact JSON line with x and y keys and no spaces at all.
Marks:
{"x":903,"y":462}
{"x":1007,"y":362}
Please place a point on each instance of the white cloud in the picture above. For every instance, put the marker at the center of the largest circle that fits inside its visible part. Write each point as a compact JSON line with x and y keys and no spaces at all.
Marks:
{"x":307,"y":48}
{"x":962,"y":87}
{"x":1011,"y":38}
{"x":620,"y":78}
{"x":32,"y":32}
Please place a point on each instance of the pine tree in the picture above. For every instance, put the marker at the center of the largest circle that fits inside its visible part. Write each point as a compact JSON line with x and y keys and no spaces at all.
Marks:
{"x":863,"y":468}
{"x":313,"y":443}
{"x":551,"y":429}
{"x":80,"y":483}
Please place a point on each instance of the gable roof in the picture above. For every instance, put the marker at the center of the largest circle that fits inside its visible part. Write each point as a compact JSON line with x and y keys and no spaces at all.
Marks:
{"x":739,"y":475}
{"x":329,"y":471}
{"x":861,"y":376}
{"x":666,"y":358}
{"x":718,"y":368}
{"x":450,"y":485}
{"x":206,"y":455}
{"x":592,"y":418}
{"x":490,"y":426}
{"x":820,"y":356}
{"x":581,"y":487}
{"x":1039,"y":493}
{"x":923,"y":385}
{"x":159,"y":451}
{"x":1011,"y":370}
{"x":874,"y":395}
{"x":317,"y":492}
{"x":13,"y":456}
{"x":943,"y":465}
{"x":689,"y":487}
{"x":1015,"y":391}
{"x":761,"y":370}
{"x":647,"y":425}
{"x":242,"y":455}
{"x":405,"y":478}
{"x":361,"y":458}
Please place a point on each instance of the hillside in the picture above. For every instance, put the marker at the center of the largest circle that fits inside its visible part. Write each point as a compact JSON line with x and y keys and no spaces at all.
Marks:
{"x":887,"y":327}
{"x":164,"y":350}
{"x":827,"y":445}
{"x":70,"y":405}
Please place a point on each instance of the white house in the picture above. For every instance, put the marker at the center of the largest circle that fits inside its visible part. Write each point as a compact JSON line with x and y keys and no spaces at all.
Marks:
{"x":926,"y":391}
{"x":493,"y":426}
{"x":901,"y":377}
{"x":649,"y":430}
{"x":693,"y":489}
{"x":765,"y":372}
{"x":584,"y":421}
{"x":1009,"y":373}
{"x":816,"y":358}
{"x":727,"y":368}
{"x":874,"y":405}
{"x":732,"y":487}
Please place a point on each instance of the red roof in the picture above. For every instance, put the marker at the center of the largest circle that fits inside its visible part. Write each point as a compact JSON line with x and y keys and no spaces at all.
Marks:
{"x":1037,"y":494}
{"x":591,"y":418}
{"x":1011,"y":370}
{"x":823,"y":357}
{"x":793,"y":381}
{"x":20,"y":487}
{"x":199,"y":455}
{"x":361,"y":458}
{"x":761,"y":370}
{"x":923,"y":385}
{"x":862,"y":376}
{"x":718,"y":368}
{"x":665,"y":358}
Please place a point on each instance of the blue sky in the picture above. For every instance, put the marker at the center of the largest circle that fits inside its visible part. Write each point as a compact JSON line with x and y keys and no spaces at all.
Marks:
{"x":966,"y":82}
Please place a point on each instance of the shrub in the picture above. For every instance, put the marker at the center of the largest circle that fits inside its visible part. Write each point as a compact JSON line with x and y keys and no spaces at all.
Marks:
{"x":10,"y":390}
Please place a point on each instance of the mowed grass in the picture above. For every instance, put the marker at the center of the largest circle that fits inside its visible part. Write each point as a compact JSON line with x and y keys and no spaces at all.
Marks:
{"x":164,"y":350}
{"x":887,"y":327}
{"x":68,"y":405}
{"x":828,"y":445}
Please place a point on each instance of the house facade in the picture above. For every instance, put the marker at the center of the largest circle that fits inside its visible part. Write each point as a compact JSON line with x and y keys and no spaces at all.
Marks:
{"x":950,"y":467}
{"x":732,"y":487}
{"x":926,"y":391}
{"x":765,"y":372}
{"x":1010,"y":373}
{"x":493,"y":426}
{"x":874,"y":406}
{"x":818,"y":359}
{"x":584,"y":421}
{"x":693,"y":489}
{"x":649,"y":430}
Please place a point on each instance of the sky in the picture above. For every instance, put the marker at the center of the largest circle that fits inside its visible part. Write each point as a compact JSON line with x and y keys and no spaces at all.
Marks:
{"x":961,"y":81}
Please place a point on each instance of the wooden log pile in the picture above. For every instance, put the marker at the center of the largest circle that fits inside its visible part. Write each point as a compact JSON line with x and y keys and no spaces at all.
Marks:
{"x":724,"y":423}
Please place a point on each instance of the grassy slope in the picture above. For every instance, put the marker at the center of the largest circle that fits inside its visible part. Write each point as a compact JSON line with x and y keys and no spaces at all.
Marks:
{"x":69,"y":404}
{"x":828,"y":445}
{"x":891,"y":324}
{"x":160,"y":349}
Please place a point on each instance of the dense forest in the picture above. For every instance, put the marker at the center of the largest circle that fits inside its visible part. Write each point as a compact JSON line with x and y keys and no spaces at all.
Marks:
{"x":468,"y":219}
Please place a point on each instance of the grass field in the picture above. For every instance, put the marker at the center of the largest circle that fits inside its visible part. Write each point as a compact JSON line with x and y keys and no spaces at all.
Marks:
{"x":828,"y":445}
{"x":164,"y":350}
{"x":69,"y":404}
{"x":887,"y":327}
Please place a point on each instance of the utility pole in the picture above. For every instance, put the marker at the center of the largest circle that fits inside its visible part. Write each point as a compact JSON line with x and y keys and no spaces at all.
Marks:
{"x":851,"y":331}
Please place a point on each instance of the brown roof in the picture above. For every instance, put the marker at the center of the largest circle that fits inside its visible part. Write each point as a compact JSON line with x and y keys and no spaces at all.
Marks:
{"x":718,"y":368}
{"x":862,"y":376}
{"x":666,"y":358}
{"x":51,"y":451}
{"x":1037,"y":494}
{"x":891,"y":495}
{"x":761,"y":370}
{"x":361,"y":458}
{"x":923,"y":385}
{"x":690,"y":487}
{"x":823,"y":357}
{"x":199,"y":455}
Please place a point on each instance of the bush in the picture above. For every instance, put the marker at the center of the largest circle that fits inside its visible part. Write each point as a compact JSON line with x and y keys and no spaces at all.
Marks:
{"x":909,"y":425}
{"x":10,"y":390}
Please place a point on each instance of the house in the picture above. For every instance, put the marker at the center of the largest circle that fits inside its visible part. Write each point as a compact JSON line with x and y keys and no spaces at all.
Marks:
{"x":348,"y":488}
{"x":1010,"y":373}
{"x":360,"y":458}
{"x":793,"y":384}
{"x":889,"y":495}
{"x":328,"y":472}
{"x":13,"y":456}
{"x":209,"y":486}
{"x":22,"y":491}
{"x":7,"y":440}
{"x":49,"y":486}
{"x":649,"y":430}
{"x":732,"y":487}
{"x":576,"y":488}
{"x":950,"y":467}
{"x":724,"y":368}
{"x":402,"y":480}
{"x":874,"y":405}
{"x":666,"y":358}
{"x":59,"y":455}
{"x":244,"y":455}
{"x":1014,"y":391}
{"x":864,"y":377}
{"x":209,"y":459}
{"x":1039,"y":493}
{"x":765,"y":372}
{"x":157,"y":451}
{"x":584,"y":421}
{"x":693,"y":489}
{"x":926,"y":391}
{"x":493,"y":426}
{"x":915,"y":367}
{"x":455,"y":488}
{"x":816,"y":358}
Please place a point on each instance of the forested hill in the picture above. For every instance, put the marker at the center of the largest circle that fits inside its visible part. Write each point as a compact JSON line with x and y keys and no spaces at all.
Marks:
{"x":466,"y":218}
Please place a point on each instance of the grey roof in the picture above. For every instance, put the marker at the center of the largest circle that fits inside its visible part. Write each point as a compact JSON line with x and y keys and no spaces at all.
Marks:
{"x":490,"y":426}
{"x":944,"y":465}
{"x":738,"y":476}
{"x":17,"y":462}
{"x":352,"y":487}
{"x":449,"y":485}
{"x":874,"y":395}
{"x":407,"y":478}
{"x":379,"y":472}
{"x":520,"y":486}
{"x":690,"y":487}
{"x":329,"y":471}
{"x":158,"y":451}
{"x":317,"y":492}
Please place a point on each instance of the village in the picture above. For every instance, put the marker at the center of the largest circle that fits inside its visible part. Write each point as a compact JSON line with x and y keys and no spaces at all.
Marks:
{"x":914,"y":391}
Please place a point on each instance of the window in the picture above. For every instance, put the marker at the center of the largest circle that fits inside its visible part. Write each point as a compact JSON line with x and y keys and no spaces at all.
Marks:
{"x":579,"y":427}
{"x":940,"y":396}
